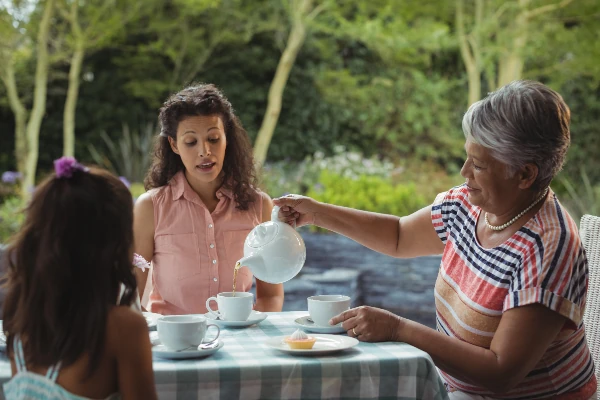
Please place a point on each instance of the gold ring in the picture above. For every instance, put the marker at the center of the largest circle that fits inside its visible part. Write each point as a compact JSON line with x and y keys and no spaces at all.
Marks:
{"x":353,"y":331}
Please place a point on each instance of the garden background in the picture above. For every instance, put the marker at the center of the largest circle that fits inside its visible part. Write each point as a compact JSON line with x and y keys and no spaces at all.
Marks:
{"x":353,"y":102}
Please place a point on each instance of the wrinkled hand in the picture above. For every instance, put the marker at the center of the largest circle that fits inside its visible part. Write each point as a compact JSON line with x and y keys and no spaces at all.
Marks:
{"x":370,"y":324}
{"x":296,"y":209}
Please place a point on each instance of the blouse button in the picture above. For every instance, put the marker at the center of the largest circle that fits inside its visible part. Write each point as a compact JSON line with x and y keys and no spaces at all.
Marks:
{"x":210,"y":225}
{"x":215,"y":279}
{"x":214,"y":261}
{"x":212,"y":246}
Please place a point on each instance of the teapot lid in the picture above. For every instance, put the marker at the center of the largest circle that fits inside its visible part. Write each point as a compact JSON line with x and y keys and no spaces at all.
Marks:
{"x":262,"y":234}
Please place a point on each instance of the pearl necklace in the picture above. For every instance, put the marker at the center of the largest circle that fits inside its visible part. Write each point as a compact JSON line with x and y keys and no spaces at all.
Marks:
{"x":512,"y":221}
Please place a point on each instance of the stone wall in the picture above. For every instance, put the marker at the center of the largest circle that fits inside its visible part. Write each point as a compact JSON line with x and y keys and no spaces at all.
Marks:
{"x":338,"y":265}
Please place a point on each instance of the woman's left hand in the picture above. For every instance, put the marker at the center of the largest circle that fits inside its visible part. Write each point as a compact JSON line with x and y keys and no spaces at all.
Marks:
{"x":370,"y":324}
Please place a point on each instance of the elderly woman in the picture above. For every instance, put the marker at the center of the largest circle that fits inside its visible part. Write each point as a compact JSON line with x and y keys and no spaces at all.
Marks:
{"x":511,"y":289}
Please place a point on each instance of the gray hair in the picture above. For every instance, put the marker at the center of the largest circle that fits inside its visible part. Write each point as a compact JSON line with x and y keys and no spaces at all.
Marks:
{"x":520,"y":123}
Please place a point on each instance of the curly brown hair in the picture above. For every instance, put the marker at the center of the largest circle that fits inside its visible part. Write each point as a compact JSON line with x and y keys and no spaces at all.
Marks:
{"x":239,"y":174}
{"x":66,"y":268}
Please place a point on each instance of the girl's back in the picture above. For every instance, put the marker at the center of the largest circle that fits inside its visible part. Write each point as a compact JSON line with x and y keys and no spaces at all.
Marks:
{"x":120,"y":368}
{"x":71,"y":333}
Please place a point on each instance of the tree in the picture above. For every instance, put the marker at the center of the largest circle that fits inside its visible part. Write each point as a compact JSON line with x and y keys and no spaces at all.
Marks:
{"x":92,"y":24}
{"x":27,"y":123}
{"x":495,"y":47}
{"x":172,"y":47}
{"x":301,"y":13}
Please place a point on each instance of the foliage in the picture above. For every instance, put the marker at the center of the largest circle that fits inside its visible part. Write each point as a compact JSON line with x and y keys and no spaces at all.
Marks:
{"x":583,"y":97}
{"x":130,"y":156}
{"x":369,"y":193}
{"x":409,"y":114}
{"x":429,"y":178}
{"x":137,"y":189}
{"x":286,"y":176}
{"x":581,"y":196}
{"x":11,"y":217}
{"x":384,"y":78}
{"x":170,"y":48}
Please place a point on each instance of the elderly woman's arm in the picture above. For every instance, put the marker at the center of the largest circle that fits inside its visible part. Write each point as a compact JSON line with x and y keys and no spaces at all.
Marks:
{"x":409,"y":236}
{"x":522,"y":338}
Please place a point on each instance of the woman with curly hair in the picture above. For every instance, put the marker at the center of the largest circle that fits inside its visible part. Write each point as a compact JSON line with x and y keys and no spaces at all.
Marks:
{"x":201,"y":203}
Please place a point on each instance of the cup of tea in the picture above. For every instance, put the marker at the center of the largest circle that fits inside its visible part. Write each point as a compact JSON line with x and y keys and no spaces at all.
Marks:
{"x":324,"y":307}
{"x":179,"y":332}
{"x":232,"y":306}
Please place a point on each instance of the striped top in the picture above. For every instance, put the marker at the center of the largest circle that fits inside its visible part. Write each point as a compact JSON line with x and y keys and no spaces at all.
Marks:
{"x":543,"y":262}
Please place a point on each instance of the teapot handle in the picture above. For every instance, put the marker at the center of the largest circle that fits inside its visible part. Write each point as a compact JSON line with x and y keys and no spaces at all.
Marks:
{"x":275,"y":216}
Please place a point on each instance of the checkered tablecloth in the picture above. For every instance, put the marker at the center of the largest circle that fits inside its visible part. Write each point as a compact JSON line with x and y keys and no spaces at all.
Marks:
{"x":245,"y":368}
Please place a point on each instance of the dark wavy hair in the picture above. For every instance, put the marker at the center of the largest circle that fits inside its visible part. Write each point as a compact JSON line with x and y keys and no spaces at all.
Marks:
{"x":239,"y":174}
{"x":66,"y":268}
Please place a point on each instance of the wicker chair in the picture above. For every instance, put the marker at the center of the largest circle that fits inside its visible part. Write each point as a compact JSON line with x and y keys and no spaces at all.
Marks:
{"x":590,"y":237}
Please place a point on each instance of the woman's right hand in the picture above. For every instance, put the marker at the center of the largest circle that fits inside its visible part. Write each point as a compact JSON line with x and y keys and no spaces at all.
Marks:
{"x":296,"y":209}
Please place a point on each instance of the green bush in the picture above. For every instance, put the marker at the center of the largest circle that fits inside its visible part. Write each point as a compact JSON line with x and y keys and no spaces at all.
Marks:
{"x":130,"y":155}
{"x":282,"y":177}
{"x":578,"y":195}
{"x":137,"y":189}
{"x":11,"y":217}
{"x":369,"y":193}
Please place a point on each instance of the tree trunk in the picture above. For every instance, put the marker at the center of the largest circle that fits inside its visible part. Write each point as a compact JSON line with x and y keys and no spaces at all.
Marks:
{"x":286,"y":62}
{"x":471,"y":54}
{"x":39,"y":101}
{"x":71,"y":101}
{"x":510,"y":67}
{"x":20,"y":113}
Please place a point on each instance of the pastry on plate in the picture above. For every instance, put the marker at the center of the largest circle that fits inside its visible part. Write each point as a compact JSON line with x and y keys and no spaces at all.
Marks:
{"x":300,"y":340}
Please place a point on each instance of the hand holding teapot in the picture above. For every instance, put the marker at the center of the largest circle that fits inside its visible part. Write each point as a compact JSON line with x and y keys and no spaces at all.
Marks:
{"x":296,"y":210}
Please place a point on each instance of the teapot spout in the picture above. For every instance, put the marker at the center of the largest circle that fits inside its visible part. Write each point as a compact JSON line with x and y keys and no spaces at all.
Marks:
{"x":256,"y":264}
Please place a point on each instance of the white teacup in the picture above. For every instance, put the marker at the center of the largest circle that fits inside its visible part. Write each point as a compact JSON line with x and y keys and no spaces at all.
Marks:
{"x":179,"y":332}
{"x":232,"y":307}
{"x":324,"y":307}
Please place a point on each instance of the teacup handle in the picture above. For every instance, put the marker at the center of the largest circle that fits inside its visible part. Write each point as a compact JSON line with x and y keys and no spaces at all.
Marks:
{"x":216,"y":337}
{"x":216,"y":313}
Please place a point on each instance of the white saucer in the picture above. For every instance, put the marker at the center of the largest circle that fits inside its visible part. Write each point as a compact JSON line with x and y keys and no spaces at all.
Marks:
{"x":151,"y":319}
{"x":254,"y":318}
{"x":325,"y":344}
{"x":308,"y":325}
{"x":162,"y":351}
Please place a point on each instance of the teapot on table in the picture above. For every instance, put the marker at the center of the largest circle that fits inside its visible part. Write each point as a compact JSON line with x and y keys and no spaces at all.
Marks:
{"x":273,"y":251}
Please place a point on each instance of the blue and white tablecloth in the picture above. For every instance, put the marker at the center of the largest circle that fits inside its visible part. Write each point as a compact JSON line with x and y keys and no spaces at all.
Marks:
{"x":245,"y":368}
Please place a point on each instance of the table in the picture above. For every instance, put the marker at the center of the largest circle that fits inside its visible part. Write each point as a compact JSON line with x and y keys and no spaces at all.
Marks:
{"x":245,"y":368}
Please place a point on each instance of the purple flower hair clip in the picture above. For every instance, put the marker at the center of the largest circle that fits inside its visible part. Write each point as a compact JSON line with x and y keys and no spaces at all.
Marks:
{"x":65,"y":166}
{"x":140,"y":262}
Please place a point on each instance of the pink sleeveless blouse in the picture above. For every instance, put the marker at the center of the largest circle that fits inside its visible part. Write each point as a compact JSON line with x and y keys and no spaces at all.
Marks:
{"x":195,"y":251}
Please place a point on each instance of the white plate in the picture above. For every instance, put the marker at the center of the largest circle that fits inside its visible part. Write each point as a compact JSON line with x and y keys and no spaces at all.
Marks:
{"x":308,"y":325}
{"x":325,"y":344}
{"x":151,"y":319}
{"x":254,"y":318}
{"x":161,"y":351}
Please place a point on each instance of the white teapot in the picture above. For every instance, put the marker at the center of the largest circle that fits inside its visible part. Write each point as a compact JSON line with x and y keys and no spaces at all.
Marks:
{"x":273,"y":251}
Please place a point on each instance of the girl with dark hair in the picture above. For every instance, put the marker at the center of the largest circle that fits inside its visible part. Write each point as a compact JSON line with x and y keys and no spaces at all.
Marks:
{"x":201,"y":203}
{"x":67,"y":338}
